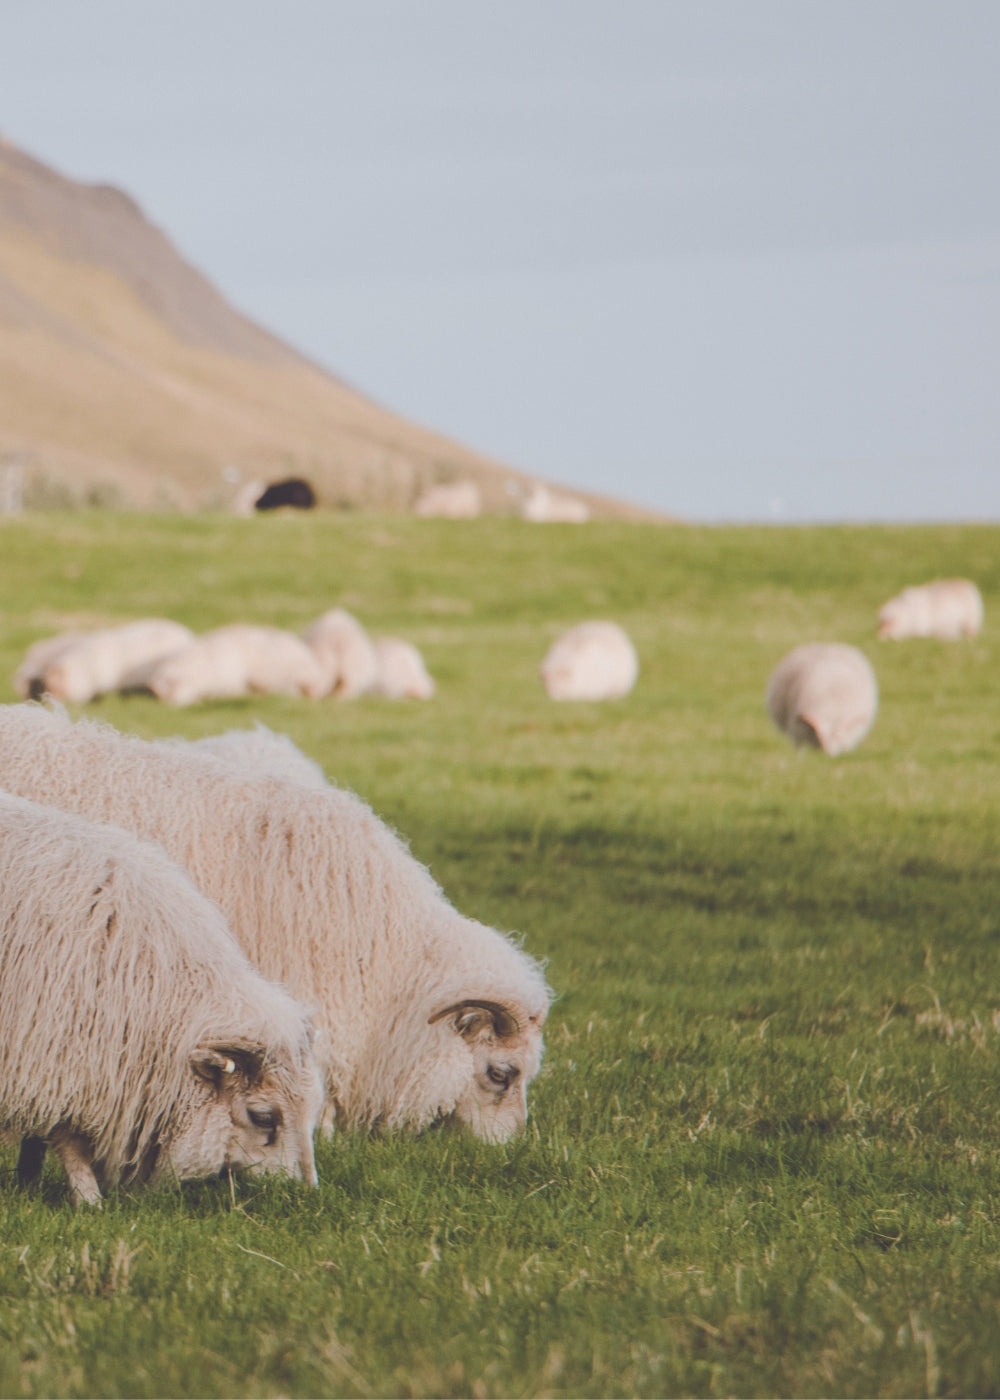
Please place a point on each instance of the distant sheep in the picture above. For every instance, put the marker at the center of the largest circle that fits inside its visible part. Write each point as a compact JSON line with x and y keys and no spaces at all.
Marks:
{"x":135,"y":1038}
{"x":293,"y":492}
{"x":592,"y":661}
{"x":345,"y":654}
{"x":544,"y":504}
{"x":424,"y":1015}
{"x":456,"y":500}
{"x":824,"y":694}
{"x":948,"y":608}
{"x":78,"y":667}
{"x":238,"y":660}
{"x":401,"y":673}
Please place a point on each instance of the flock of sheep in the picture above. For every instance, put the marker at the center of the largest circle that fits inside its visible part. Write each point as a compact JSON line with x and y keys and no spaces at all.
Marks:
{"x":207,"y":951}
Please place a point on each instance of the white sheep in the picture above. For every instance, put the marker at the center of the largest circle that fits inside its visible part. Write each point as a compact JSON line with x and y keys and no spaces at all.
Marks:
{"x":592,"y":661}
{"x":236,"y":660}
{"x":424,"y":1015}
{"x":544,"y":504}
{"x":345,"y":654}
{"x":401,"y":673}
{"x":260,"y":751}
{"x":454,"y":500}
{"x":135,"y":1038}
{"x":79,"y":667}
{"x":947,"y":608}
{"x":823,"y":694}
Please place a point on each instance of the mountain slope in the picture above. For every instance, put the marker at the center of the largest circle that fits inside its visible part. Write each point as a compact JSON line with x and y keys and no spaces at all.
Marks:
{"x":123,"y":368}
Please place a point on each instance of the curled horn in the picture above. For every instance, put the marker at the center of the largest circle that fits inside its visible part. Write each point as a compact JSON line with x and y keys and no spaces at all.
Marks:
{"x":505,"y":1022}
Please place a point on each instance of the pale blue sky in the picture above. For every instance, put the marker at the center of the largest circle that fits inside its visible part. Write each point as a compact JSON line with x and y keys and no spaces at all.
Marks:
{"x":736,"y":259}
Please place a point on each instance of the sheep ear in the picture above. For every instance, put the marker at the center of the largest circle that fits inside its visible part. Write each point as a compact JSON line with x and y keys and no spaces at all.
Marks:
{"x":473,"y":1016}
{"x":223,"y":1064}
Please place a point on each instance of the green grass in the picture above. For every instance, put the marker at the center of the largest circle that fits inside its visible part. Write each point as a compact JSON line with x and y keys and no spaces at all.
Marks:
{"x":764,"y":1151}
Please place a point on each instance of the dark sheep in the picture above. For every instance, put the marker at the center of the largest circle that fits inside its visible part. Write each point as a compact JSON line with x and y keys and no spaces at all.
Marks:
{"x":292,"y":492}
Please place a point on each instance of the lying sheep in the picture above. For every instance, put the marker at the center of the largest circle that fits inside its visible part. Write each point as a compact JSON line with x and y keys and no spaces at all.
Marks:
{"x":948,"y":608}
{"x":592,"y":661}
{"x":79,"y":667}
{"x":238,"y":660}
{"x":452,"y":500}
{"x":135,"y":1038}
{"x":345,"y":654}
{"x":424,"y":1015}
{"x":824,"y":694}
{"x":401,"y":673}
{"x":544,"y":504}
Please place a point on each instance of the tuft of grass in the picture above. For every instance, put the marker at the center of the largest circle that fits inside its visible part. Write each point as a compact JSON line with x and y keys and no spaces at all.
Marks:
{"x":764,"y":1150}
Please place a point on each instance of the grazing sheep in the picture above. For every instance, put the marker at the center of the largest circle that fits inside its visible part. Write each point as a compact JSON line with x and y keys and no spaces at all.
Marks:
{"x":135,"y":1038}
{"x":544,"y":504}
{"x":824,"y":694}
{"x":423,"y":1014}
{"x":456,"y":500}
{"x":259,"y":751}
{"x":592,"y":661}
{"x":401,"y":674}
{"x":345,"y":654}
{"x":238,"y":660}
{"x":294,"y":492}
{"x":90,"y":664}
{"x":948,"y":608}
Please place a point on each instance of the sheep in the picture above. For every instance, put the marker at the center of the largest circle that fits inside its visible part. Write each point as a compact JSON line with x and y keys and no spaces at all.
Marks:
{"x":238,"y":660}
{"x":592,"y":661}
{"x":423,"y":1015}
{"x":947,"y":608}
{"x":79,"y":667}
{"x":345,"y":654}
{"x":293,"y":492}
{"x":136,"y":1039}
{"x":260,"y":751}
{"x":544,"y":504}
{"x":401,"y":672}
{"x":823,"y":694}
{"x":455,"y":500}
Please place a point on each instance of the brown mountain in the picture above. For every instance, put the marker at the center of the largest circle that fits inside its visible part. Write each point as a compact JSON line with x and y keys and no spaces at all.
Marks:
{"x":124,"y":374}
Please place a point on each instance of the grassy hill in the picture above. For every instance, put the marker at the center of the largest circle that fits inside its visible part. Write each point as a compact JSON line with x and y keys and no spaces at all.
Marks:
{"x":764,"y":1150}
{"x":126,"y":377}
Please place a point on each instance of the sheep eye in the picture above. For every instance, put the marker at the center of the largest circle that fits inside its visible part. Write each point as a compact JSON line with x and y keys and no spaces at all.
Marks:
{"x":267,"y":1119}
{"x":501,"y":1077}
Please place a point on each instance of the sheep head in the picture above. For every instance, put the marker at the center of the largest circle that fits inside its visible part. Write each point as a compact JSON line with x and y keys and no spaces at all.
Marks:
{"x":248,"y":1111}
{"x":505,"y":1044}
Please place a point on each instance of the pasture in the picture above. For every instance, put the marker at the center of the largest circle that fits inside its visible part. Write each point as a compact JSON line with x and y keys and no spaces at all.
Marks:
{"x":763,"y":1151}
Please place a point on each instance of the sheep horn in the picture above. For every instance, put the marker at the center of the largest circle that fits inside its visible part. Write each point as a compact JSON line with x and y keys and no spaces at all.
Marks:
{"x":505,"y":1022}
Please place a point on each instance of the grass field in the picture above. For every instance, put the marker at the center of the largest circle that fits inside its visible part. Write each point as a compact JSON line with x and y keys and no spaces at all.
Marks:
{"x":763,"y":1151}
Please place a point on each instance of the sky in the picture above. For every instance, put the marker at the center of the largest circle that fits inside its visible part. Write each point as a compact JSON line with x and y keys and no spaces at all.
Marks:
{"x":736,"y":260}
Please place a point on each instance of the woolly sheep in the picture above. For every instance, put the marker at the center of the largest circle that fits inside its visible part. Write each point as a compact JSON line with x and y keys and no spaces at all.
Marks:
{"x":592,"y":661}
{"x":79,"y":667}
{"x":259,"y":752}
{"x":401,"y":672}
{"x":544,"y":504}
{"x":135,"y":1038}
{"x":423,"y":1014}
{"x":455,"y":500}
{"x":345,"y":654}
{"x":238,"y":660}
{"x":948,"y":608}
{"x":824,"y":694}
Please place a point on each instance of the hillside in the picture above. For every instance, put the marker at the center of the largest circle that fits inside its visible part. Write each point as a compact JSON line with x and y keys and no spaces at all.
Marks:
{"x":125,"y":375}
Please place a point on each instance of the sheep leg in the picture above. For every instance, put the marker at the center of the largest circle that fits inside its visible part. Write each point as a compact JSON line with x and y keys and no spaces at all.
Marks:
{"x":30,"y":1156}
{"x":77,"y":1155}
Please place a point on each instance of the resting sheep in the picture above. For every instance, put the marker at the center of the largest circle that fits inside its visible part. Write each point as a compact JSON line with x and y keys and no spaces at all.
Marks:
{"x":135,"y":1038}
{"x":424,"y":1015}
{"x":345,"y":654}
{"x":79,"y":667}
{"x":823,"y":694}
{"x":401,"y":673}
{"x":454,"y":500}
{"x":948,"y":608}
{"x":544,"y":504}
{"x":238,"y":660}
{"x":592,"y":661}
